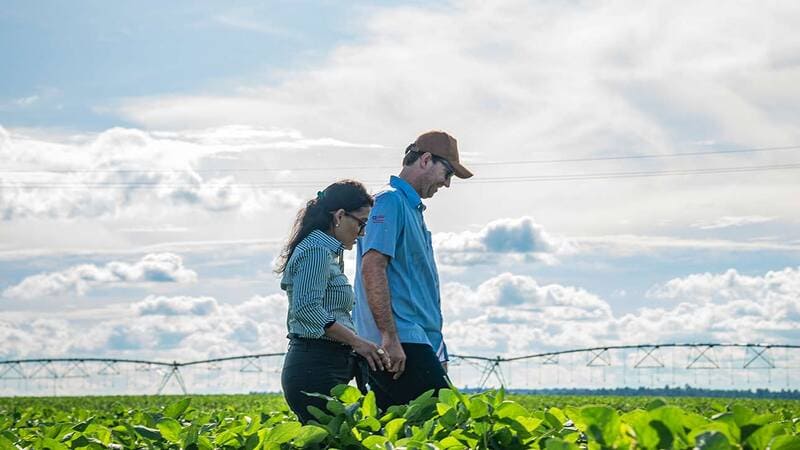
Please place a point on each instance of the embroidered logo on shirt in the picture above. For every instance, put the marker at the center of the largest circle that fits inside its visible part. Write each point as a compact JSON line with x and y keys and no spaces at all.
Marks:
{"x":378,"y":219}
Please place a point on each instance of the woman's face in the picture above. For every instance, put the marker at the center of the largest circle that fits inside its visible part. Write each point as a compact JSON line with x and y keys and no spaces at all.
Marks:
{"x":350,"y":225}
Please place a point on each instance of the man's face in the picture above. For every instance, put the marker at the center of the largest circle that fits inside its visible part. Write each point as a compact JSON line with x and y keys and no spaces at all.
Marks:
{"x":438,"y":175}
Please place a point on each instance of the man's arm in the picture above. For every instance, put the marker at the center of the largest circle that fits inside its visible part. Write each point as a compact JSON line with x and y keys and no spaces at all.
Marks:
{"x":376,"y":287}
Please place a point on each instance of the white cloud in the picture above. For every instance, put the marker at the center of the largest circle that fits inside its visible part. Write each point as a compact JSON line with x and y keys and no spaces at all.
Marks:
{"x":176,"y":306}
{"x":508,"y":239}
{"x":730,"y":286}
{"x":154,"y":268}
{"x":514,"y":315}
{"x":121,"y":172}
{"x":731,"y":221}
{"x":624,"y":245}
{"x":543,"y":81}
{"x":158,"y":328}
{"x":509,"y":315}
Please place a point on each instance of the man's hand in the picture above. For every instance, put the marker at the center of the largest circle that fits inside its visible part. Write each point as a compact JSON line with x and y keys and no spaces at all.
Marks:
{"x":397,"y":356}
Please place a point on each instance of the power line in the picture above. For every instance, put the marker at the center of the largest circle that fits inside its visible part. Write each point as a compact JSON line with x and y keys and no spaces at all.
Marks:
{"x":478,"y":164}
{"x":532,"y":178}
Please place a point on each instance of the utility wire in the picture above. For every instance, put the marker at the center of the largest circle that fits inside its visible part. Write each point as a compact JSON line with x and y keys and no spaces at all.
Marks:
{"x":477,"y":164}
{"x":533,"y":178}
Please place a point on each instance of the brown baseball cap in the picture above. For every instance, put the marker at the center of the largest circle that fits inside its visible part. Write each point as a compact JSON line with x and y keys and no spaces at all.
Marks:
{"x":443,"y":145}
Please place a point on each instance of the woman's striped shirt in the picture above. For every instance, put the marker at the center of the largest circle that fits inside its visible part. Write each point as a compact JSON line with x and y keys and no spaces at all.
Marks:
{"x":318,"y":290}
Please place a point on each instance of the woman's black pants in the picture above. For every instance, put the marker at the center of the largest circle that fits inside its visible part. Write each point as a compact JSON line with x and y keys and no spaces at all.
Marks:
{"x":316,"y":365}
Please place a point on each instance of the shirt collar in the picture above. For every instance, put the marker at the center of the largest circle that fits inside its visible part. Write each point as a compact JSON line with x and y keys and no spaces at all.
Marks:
{"x":327,"y":241}
{"x":408,"y":191}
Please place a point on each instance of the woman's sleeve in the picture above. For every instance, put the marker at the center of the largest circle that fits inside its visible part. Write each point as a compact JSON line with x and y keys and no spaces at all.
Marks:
{"x":310,"y":282}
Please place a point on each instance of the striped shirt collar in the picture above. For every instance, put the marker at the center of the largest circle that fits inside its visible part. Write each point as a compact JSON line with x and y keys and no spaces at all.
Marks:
{"x":326,"y":240}
{"x":408,"y":191}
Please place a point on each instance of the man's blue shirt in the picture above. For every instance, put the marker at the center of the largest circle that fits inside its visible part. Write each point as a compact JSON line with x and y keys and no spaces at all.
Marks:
{"x":396,"y":228}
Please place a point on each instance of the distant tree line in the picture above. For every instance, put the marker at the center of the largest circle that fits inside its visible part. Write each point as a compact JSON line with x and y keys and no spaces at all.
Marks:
{"x":666,"y":391}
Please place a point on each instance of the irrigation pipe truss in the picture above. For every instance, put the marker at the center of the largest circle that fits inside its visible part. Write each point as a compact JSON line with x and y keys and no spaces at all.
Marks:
{"x":490,"y":367}
{"x":498,"y":359}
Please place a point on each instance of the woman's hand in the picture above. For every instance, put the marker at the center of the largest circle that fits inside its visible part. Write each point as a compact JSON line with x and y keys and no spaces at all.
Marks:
{"x":376,"y":357}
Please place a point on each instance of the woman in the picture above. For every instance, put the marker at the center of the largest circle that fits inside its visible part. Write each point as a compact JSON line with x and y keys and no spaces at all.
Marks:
{"x":324,"y":349}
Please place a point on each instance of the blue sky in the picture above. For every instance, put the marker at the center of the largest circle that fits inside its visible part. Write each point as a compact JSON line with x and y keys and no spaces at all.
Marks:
{"x":154,"y":156}
{"x":76,"y":58}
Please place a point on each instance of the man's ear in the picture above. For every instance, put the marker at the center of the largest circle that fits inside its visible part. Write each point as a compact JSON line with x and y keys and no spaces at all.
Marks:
{"x":425,"y":159}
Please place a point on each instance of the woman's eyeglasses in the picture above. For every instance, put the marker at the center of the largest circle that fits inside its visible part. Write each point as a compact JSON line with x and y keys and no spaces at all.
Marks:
{"x":362,"y":223}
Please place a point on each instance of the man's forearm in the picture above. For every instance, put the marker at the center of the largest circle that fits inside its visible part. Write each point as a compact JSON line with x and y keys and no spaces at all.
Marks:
{"x":376,"y":286}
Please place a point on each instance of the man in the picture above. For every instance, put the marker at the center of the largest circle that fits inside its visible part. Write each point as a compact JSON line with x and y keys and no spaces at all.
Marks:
{"x":397,"y":284}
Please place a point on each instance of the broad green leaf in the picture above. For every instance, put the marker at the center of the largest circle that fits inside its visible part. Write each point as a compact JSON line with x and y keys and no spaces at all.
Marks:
{"x":559,"y":444}
{"x":226,"y":437}
{"x":741,"y":415}
{"x":655,"y":403}
{"x":283,"y":432}
{"x":394,"y":427}
{"x":665,"y":437}
{"x":148,"y":433}
{"x":52,"y":444}
{"x":763,"y":419}
{"x":448,"y":397}
{"x":369,"y":423}
{"x":559,"y":415}
{"x":693,"y":420}
{"x":712,"y":440}
{"x":174,"y":410}
{"x":672,"y":418}
{"x":600,"y":423}
{"x":321,"y":416}
{"x":639,"y":420}
{"x":335,"y":407}
{"x":478,"y":408}
{"x":451,"y":443}
{"x":170,"y":429}
{"x":530,"y":423}
{"x":719,"y":427}
{"x":368,"y":407}
{"x":423,"y":398}
{"x":191,"y":434}
{"x":309,"y":435}
{"x":346,"y":393}
{"x":761,"y":438}
{"x":552,"y":420}
{"x":375,"y":442}
{"x":784,"y":443}
{"x":511,"y":409}
{"x":254,"y":440}
{"x":449,"y":418}
{"x":7,"y":444}
{"x":83,"y":425}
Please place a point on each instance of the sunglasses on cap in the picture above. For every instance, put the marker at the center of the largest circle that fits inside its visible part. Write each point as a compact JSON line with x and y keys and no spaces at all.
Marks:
{"x":449,"y":171}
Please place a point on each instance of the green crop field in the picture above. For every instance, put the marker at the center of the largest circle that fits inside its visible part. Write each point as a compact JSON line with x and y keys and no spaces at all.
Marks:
{"x":491,"y":420}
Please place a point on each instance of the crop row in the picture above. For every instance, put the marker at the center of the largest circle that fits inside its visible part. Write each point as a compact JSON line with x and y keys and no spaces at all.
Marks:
{"x":489,"y":420}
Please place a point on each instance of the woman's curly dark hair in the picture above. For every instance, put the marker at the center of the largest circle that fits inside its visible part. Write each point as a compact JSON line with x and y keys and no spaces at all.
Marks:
{"x":348,"y":195}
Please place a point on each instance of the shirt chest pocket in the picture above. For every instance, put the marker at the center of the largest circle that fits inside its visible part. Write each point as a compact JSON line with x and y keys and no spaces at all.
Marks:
{"x":422,"y":250}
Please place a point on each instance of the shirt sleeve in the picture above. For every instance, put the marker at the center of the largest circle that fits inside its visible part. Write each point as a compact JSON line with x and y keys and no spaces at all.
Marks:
{"x":384,"y":225}
{"x":310,"y":282}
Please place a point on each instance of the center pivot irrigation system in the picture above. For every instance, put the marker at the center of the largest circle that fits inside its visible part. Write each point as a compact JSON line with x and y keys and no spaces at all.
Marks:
{"x":766,"y":365}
